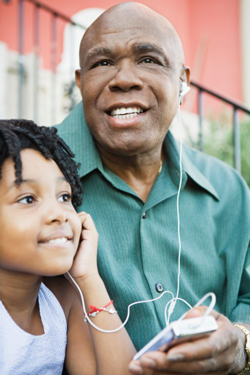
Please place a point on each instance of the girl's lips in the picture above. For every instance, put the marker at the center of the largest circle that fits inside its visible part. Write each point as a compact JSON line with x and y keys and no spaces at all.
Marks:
{"x":58,"y":237}
{"x":62,"y":242}
{"x":58,"y":240}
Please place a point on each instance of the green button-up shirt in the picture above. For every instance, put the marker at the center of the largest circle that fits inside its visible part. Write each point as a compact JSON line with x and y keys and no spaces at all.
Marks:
{"x":138,"y":242}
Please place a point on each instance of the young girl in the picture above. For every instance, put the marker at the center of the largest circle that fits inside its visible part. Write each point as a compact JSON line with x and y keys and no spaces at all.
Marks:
{"x":41,"y":317}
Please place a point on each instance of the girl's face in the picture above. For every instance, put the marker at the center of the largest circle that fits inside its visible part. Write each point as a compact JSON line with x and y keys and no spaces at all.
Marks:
{"x":39,"y":226}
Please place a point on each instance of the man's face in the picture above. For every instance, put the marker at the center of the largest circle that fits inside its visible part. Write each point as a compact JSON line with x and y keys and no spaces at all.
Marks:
{"x":129,"y":81}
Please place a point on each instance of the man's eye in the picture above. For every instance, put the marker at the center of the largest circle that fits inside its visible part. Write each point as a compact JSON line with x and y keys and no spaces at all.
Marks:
{"x":148,"y":60}
{"x":104,"y":63}
{"x":27,"y":200}
{"x":101,"y":63}
{"x":65,"y":198}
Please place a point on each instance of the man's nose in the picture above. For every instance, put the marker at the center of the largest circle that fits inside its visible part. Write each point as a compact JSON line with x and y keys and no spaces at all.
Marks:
{"x":126,"y":78}
{"x":55,"y":212}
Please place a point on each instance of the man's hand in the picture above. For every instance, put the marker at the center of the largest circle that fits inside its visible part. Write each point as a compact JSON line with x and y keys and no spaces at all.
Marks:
{"x":221,"y":353}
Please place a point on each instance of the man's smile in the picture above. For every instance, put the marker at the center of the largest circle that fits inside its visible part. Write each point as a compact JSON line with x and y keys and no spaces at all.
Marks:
{"x":126,"y":113}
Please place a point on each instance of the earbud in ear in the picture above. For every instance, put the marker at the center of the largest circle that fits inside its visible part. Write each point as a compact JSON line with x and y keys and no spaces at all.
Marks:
{"x":184,"y":88}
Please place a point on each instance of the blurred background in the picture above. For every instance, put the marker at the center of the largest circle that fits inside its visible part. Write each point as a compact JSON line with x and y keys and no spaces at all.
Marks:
{"x":39,"y":42}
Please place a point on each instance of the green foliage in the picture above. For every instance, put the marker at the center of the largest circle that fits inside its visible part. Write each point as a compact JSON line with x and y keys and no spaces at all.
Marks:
{"x":245,"y":154}
{"x":219,"y":143}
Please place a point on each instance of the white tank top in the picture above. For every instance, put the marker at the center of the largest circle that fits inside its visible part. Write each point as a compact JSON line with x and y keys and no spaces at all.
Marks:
{"x":22,"y":353}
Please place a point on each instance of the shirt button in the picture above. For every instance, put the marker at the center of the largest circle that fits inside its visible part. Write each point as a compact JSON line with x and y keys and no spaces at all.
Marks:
{"x":159,"y":287}
{"x":144,"y":215}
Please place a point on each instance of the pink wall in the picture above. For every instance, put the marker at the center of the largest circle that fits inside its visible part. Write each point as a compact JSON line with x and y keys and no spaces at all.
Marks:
{"x":217,"y":25}
{"x":209,"y":30}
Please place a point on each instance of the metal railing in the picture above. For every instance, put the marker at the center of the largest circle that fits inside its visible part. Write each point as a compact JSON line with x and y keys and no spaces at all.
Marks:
{"x":55,"y":15}
{"x":237,"y":106}
{"x":36,"y":40}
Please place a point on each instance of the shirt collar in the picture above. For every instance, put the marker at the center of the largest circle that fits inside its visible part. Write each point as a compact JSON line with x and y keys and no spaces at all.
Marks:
{"x":75,"y":130}
{"x":81,"y":142}
{"x":192,"y":166}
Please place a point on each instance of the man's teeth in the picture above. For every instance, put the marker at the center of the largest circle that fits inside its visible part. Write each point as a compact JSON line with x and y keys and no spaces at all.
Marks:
{"x":58,"y":240}
{"x":126,"y":113}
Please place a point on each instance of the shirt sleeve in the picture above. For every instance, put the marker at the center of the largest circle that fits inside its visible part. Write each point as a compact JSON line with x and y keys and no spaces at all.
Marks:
{"x":241,"y":312}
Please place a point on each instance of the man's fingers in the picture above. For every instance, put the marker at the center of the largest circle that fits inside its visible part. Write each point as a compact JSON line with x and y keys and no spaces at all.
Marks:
{"x":214,"y":353}
{"x":199,"y":311}
{"x":161,"y":363}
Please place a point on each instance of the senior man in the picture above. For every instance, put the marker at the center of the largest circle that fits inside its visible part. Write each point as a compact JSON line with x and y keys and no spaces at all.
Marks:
{"x":131,"y":74}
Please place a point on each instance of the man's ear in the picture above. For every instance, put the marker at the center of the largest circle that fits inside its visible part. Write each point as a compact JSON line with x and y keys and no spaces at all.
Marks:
{"x":184,"y":77}
{"x":78,"y":78}
{"x":185,"y":74}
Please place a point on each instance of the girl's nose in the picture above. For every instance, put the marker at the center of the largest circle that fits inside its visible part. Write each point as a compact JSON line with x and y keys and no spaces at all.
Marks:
{"x":56,"y":213}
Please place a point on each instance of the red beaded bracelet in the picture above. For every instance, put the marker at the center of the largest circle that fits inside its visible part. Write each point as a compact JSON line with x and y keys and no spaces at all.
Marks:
{"x":95,"y":310}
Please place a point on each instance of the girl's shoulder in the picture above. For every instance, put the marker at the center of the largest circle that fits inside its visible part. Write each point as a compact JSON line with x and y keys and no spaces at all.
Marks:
{"x":79,"y":343}
{"x":63,"y":291}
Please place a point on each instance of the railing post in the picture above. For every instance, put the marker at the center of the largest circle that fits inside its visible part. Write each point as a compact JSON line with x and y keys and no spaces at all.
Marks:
{"x":237,"y":159}
{"x":53,"y":65}
{"x":36,"y":61}
{"x":200,"y":110}
{"x":20,"y":58}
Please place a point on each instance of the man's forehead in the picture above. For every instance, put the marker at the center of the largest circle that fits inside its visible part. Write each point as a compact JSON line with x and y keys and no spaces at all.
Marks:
{"x":128,"y":46}
{"x":131,"y":14}
{"x":137,"y":47}
{"x":131,"y":23}
{"x":125,"y":25}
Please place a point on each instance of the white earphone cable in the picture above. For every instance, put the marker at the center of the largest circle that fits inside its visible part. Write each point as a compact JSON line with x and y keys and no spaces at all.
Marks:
{"x":173,"y":302}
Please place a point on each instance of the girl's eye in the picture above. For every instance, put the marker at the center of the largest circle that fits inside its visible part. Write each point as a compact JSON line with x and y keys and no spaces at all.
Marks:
{"x":65,"y":198}
{"x":27,"y":200}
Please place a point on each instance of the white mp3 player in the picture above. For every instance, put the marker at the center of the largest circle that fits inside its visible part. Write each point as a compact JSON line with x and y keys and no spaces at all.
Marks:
{"x":179,"y":331}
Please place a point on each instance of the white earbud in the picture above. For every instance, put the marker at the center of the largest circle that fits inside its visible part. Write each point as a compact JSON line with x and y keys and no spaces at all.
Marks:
{"x":184,"y":89}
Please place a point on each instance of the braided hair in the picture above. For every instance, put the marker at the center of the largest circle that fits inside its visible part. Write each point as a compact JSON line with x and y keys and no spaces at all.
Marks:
{"x":16,"y":135}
